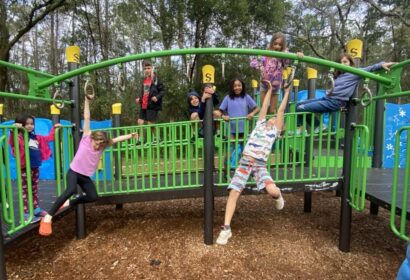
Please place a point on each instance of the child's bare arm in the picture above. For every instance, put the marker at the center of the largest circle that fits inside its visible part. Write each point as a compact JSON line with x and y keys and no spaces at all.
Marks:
{"x":125,"y":137}
{"x":87,"y":116}
{"x":266,"y":102}
{"x":253,"y":113}
{"x":280,"y":117}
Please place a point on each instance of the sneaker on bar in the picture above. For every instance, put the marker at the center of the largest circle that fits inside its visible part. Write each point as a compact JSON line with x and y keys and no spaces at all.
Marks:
{"x":318,"y":129}
{"x":38,"y":212}
{"x":34,"y":220}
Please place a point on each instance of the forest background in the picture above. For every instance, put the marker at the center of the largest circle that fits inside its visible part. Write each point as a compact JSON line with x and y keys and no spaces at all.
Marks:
{"x":35,"y":34}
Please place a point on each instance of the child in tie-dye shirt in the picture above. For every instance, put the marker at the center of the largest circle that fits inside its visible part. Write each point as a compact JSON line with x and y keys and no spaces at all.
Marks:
{"x":253,"y":161}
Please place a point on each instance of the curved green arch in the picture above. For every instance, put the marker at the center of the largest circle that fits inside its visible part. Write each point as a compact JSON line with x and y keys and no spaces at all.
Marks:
{"x":177,"y":52}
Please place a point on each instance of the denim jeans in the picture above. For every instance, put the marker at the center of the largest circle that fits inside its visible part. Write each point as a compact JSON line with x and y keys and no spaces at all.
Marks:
{"x":319,"y":105}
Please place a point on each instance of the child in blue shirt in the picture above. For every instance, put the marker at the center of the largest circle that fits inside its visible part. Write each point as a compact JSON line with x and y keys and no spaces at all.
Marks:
{"x":238,"y":104}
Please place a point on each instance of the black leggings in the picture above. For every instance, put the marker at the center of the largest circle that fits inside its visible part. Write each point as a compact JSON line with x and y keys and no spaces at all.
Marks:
{"x":86,"y":184}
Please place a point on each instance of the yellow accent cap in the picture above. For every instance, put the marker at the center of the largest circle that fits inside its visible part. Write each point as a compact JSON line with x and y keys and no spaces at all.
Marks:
{"x":100,"y":164}
{"x":311,"y":73}
{"x":54,"y":110}
{"x":1,"y":109}
{"x":254,"y":83}
{"x":285,"y":74}
{"x":72,"y":54}
{"x":116,"y":109}
{"x":208,"y":74}
{"x":355,"y":48}
{"x":295,"y":83}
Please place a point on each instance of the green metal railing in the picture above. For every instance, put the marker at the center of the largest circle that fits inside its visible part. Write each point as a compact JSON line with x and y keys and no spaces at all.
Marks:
{"x":12,"y":204}
{"x":359,"y":163}
{"x":305,"y":157}
{"x":402,"y":230}
{"x":175,"y":161}
{"x":63,"y":154}
{"x":167,"y":156}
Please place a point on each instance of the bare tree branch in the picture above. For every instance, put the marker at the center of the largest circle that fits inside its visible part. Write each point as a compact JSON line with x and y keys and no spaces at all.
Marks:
{"x":390,"y":13}
{"x":49,"y":6}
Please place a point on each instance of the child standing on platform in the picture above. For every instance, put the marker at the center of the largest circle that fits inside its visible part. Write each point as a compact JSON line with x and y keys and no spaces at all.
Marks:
{"x":83,"y":166}
{"x":38,"y":152}
{"x":253,"y":161}
{"x":237,"y":104}
{"x":272,"y":69}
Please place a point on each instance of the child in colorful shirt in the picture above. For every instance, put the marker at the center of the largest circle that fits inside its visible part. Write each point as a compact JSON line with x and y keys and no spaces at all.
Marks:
{"x":39,"y":151}
{"x":253,"y":161}
{"x":271,"y":69}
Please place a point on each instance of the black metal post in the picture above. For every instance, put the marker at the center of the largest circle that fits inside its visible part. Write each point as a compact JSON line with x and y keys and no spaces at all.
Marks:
{"x":3,"y":273}
{"x":312,"y":75}
{"x":208,"y":173}
{"x":116,"y":122}
{"x":345,"y":209}
{"x":377,"y":160}
{"x":74,"y":53}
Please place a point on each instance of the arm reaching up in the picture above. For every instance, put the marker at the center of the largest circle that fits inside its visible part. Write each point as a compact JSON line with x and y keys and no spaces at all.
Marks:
{"x":87,"y":117}
{"x":280,"y":117}
{"x":266,"y":101}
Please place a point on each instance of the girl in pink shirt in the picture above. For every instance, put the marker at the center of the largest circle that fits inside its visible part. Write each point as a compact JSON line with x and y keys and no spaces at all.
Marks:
{"x":83,"y":166}
{"x":271,"y":69}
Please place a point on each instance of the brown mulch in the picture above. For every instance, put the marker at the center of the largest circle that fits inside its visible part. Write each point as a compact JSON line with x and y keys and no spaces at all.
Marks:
{"x":164,"y":240}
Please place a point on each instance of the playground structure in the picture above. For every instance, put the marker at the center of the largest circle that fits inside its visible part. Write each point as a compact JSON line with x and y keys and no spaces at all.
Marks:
{"x":178,"y":167}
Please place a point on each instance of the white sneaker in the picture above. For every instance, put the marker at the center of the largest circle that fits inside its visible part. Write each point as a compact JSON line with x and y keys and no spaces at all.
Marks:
{"x":318,"y":129}
{"x":224,"y":236}
{"x":279,"y":202}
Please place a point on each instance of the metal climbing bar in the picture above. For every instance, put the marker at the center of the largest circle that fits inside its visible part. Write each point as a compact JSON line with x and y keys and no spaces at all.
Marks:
{"x":25,"y":69}
{"x":35,"y":98}
{"x":359,"y":162}
{"x":404,"y":182}
{"x":255,"y":52}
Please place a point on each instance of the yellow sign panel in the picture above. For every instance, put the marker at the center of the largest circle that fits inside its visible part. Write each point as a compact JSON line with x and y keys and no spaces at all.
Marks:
{"x":116,"y":109}
{"x":72,"y":54}
{"x":1,"y":109}
{"x":311,"y":73}
{"x":254,"y":83}
{"x":355,"y":48}
{"x":208,"y":74}
{"x":295,"y":83}
{"x":54,"y":110}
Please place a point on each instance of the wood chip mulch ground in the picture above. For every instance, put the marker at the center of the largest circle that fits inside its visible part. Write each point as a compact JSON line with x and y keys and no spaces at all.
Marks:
{"x":164,"y":240}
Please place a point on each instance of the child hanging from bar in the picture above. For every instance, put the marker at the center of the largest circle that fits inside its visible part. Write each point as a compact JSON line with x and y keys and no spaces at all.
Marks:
{"x":83,"y":166}
{"x":253,"y":161}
